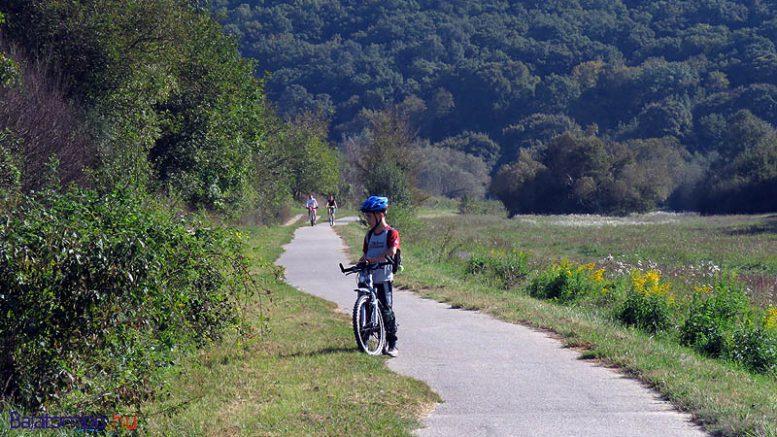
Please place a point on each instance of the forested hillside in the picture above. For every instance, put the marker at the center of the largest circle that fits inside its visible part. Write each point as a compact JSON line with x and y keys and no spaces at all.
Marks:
{"x":663,"y":103}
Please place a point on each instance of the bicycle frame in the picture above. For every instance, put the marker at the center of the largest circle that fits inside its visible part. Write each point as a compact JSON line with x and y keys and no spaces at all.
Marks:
{"x":365,"y":287}
{"x":312,"y":214}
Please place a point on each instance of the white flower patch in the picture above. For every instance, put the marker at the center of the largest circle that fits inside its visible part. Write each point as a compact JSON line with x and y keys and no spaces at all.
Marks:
{"x":598,"y":221}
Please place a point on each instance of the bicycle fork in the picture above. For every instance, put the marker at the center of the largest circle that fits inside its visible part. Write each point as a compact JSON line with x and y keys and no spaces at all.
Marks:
{"x":372,"y":309}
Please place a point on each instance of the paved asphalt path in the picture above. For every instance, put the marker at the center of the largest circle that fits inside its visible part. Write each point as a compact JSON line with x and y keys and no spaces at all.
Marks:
{"x":496,"y":378}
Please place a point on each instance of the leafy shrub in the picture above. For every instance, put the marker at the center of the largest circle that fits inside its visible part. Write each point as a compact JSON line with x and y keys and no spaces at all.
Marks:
{"x":96,"y":291}
{"x":755,"y":347}
{"x":566,"y":282}
{"x":10,"y":175}
{"x":9,"y":70}
{"x":712,"y":315}
{"x":507,"y":266}
{"x":649,"y":302}
{"x":404,"y":218}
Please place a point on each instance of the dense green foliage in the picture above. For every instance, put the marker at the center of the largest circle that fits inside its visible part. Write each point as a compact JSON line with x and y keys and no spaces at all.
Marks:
{"x":105,"y":105}
{"x":578,"y":172}
{"x":98,"y":291}
{"x":167,"y":99}
{"x":712,"y":314}
{"x":517,"y":73}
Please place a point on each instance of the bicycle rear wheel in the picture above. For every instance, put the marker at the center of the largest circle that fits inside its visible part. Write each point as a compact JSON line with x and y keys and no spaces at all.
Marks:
{"x":370,"y":339}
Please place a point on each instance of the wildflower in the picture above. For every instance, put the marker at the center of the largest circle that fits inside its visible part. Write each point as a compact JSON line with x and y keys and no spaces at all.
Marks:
{"x":771,"y":318}
{"x":649,"y":283}
{"x":598,"y":275}
{"x":653,"y":276}
{"x":703,"y":289}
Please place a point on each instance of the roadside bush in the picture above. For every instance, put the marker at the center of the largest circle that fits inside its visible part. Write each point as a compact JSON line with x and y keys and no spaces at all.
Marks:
{"x":98,"y":291}
{"x":566,"y":282}
{"x":506,"y":266}
{"x":755,"y":347}
{"x":649,"y":302}
{"x":712,"y":315}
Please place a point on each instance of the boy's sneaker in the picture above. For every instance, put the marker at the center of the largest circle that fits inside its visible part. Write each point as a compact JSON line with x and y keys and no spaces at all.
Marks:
{"x":391,"y":351}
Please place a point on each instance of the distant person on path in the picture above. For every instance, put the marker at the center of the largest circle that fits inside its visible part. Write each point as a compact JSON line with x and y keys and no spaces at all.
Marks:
{"x":331,"y":205}
{"x":312,"y":206}
{"x":382,"y":241}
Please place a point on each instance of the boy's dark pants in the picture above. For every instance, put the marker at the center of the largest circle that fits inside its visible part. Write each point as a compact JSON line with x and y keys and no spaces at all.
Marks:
{"x":385,"y":296}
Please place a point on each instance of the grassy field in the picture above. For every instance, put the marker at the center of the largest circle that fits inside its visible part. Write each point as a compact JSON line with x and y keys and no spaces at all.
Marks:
{"x":294,"y":370}
{"x":680,"y":245}
{"x":721,"y":395}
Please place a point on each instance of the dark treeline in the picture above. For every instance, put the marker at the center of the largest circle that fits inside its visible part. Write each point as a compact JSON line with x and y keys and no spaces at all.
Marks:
{"x":650,"y":104}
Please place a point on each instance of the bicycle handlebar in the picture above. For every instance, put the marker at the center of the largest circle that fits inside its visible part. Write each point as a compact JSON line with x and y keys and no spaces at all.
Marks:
{"x":364,"y":266}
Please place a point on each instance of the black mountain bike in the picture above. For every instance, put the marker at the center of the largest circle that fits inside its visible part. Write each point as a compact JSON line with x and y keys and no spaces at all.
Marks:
{"x":368,"y":327}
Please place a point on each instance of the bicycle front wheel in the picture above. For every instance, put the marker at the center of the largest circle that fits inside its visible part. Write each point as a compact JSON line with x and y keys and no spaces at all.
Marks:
{"x":370,"y":338}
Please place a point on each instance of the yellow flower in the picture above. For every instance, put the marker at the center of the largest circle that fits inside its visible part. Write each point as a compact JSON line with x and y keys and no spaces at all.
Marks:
{"x":771,"y":318}
{"x":598,"y":275}
{"x":638,"y":281}
{"x":653,"y":276}
{"x":649,"y":283}
{"x":703,"y":289}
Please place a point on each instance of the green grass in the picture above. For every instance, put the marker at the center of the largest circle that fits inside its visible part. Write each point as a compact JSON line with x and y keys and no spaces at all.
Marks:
{"x":722,"y":397}
{"x":678,"y":244}
{"x":302,"y":375}
{"x":294,"y":370}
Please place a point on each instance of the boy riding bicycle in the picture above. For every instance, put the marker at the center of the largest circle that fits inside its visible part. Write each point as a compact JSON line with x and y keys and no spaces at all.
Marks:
{"x":382,"y":241}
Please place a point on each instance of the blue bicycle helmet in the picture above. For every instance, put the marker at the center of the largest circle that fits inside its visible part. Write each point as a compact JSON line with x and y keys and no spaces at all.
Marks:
{"x":375,"y":204}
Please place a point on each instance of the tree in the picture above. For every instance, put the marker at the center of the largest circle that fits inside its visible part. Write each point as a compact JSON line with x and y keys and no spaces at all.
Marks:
{"x":535,"y":131}
{"x":669,"y":117}
{"x":451,"y":173}
{"x":172,"y":102}
{"x":515,"y":184}
{"x":384,"y":156}
{"x":300,"y":156}
{"x":473,"y":143}
{"x":582,"y":173}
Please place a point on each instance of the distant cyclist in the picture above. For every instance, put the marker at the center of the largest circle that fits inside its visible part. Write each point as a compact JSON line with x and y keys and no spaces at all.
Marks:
{"x":312,"y":206}
{"x":331,"y":205}
{"x":381,"y":241}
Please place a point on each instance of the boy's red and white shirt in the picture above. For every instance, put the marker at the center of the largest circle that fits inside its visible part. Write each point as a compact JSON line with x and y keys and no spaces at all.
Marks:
{"x":392,"y":240}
